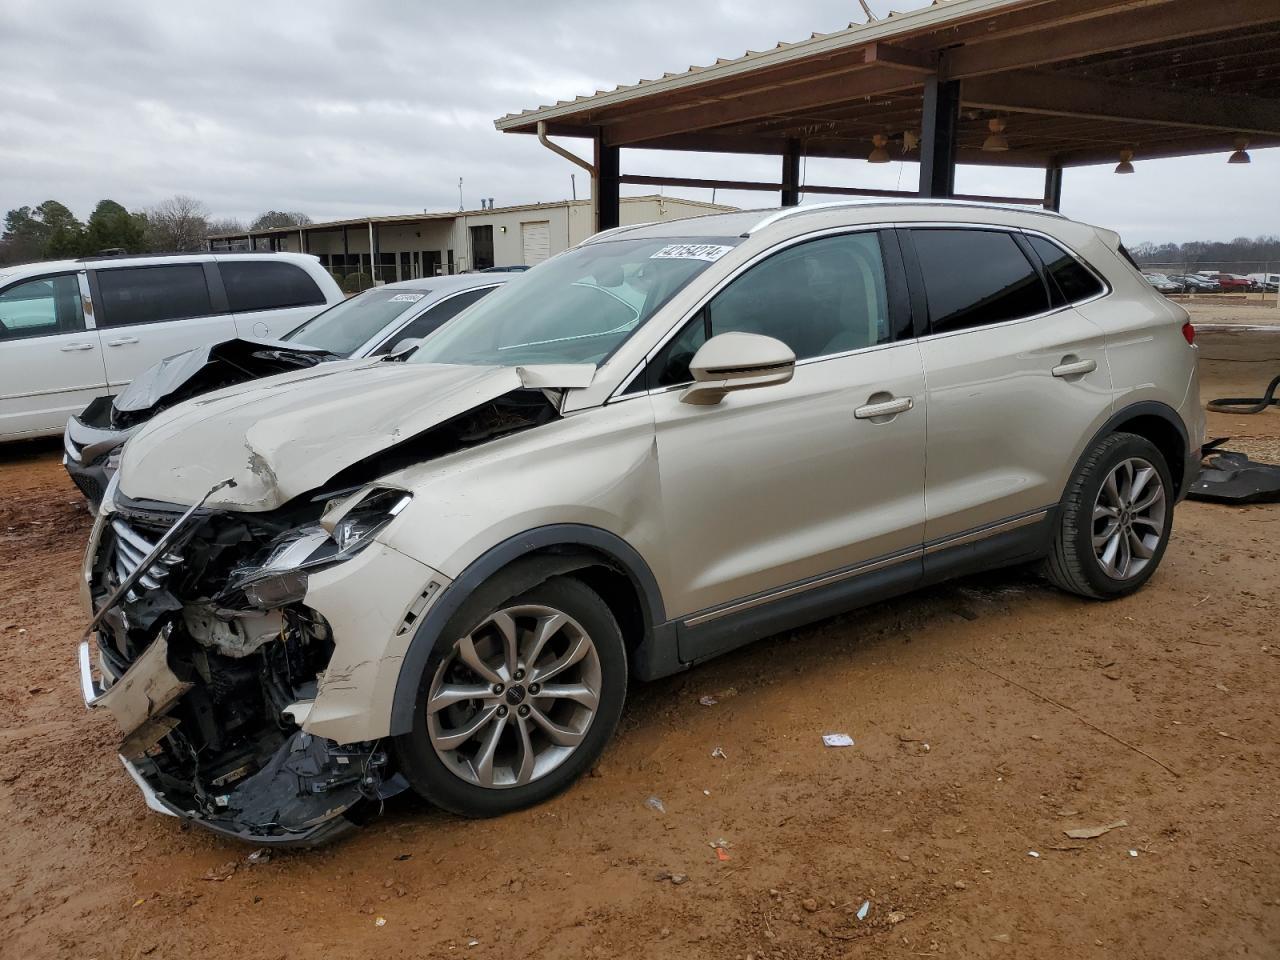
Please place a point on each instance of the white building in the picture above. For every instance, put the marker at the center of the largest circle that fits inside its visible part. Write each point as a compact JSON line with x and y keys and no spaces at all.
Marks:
{"x":426,"y":244}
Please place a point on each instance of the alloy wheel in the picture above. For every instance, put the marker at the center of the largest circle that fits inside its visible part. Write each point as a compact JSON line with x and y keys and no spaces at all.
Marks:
{"x":515,"y":697}
{"x":1128,"y":518}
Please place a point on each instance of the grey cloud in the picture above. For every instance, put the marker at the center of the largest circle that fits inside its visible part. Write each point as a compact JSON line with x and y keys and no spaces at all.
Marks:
{"x":343,"y":109}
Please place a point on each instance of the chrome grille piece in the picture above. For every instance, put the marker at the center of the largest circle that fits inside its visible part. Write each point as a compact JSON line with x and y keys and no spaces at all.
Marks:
{"x":130,"y":549}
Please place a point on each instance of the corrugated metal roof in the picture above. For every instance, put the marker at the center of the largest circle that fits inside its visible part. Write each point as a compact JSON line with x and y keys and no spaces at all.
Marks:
{"x":939,"y":14}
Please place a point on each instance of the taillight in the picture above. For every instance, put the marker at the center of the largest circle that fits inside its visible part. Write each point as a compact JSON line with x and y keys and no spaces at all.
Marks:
{"x":1189,"y":332}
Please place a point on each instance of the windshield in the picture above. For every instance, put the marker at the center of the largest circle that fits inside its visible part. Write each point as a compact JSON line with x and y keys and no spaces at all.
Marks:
{"x":349,"y":325}
{"x":576,"y":308}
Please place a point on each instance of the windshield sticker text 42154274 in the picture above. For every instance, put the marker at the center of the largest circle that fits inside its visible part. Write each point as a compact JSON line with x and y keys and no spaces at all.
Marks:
{"x":710,"y":252}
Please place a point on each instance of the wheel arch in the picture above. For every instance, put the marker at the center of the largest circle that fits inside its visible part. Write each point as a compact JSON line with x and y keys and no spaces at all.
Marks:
{"x":603,"y":560}
{"x":1157,"y":422}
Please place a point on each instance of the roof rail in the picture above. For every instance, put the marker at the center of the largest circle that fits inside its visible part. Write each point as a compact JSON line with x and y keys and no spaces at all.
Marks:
{"x":777,"y":215}
{"x":614,"y":231}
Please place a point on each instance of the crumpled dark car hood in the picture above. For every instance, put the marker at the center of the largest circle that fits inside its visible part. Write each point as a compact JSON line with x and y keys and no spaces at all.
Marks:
{"x":204,"y":369}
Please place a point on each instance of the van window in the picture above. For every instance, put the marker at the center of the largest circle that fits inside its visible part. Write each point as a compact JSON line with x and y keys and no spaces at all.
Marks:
{"x":267,"y":285}
{"x":973,"y":278}
{"x":820,"y":297}
{"x":41,"y":308}
{"x":1069,"y":280}
{"x":152,"y":294}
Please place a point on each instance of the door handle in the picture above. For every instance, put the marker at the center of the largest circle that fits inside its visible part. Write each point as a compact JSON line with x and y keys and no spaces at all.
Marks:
{"x":1074,"y":368}
{"x":885,"y":408}
{"x":121,"y":341}
{"x":71,"y":347}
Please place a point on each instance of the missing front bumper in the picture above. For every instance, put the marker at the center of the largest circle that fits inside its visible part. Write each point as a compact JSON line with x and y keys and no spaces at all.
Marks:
{"x":300,"y":797}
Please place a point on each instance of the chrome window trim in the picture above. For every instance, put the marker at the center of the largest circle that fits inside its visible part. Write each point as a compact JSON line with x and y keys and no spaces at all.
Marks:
{"x":620,"y":392}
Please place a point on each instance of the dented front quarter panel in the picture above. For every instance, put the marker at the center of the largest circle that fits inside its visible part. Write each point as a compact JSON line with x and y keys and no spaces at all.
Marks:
{"x":371,"y":603}
{"x":597,"y":467}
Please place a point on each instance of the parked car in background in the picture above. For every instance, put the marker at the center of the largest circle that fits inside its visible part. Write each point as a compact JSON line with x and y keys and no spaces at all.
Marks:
{"x":667,"y":442}
{"x":74,"y":330}
{"x":1270,"y":282}
{"x":1234,"y":283}
{"x":1162,"y":283}
{"x":371,"y":324}
{"x":1194,"y":283}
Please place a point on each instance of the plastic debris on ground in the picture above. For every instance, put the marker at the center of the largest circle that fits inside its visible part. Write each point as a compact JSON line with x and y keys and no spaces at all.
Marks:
{"x":1133,"y":853}
{"x":1032,"y":853}
{"x":718,"y":752}
{"x":864,"y":910}
{"x":1088,"y":833}
{"x":708,"y":701}
{"x":837,"y":740}
{"x":260,"y":856}
{"x":380,"y":922}
{"x":656,"y":804}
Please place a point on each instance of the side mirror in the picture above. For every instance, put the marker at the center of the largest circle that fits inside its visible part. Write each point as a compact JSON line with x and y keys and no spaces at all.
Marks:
{"x":737,"y":361}
{"x":407,"y":345}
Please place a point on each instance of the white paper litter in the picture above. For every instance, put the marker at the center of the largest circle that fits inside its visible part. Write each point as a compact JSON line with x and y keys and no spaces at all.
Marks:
{"x":837,"y":740}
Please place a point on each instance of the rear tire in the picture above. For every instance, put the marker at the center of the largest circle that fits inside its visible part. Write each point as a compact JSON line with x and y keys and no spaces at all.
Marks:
{"x":538,"y":678}
{"x":1115,"y":520}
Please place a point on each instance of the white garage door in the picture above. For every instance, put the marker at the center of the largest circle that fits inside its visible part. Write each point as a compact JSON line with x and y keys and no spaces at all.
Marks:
{"x":537,"y":241}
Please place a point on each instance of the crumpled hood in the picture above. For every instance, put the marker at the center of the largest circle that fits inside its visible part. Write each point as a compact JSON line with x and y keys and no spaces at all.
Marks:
{"x":286,"y":435}
{"x":242,"y":359}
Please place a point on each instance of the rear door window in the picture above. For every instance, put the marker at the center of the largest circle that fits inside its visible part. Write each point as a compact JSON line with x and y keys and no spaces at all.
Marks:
{"x":133,"y":295}
{"x":1070,"y":281}
{"x":974,"y":278}
{"x":267,"y":285}
{"x":41,"y":308}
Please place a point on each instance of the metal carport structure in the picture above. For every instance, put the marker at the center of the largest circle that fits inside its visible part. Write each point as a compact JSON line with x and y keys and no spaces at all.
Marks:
{"x":1066,"y":82}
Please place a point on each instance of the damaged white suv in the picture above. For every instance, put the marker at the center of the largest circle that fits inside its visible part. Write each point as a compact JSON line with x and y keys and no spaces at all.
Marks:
{"x":311,"y":591}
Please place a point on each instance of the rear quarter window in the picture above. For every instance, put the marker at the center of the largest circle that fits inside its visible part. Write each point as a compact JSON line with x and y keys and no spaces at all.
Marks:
{"x":1070,"y":281}
{"x":267,"y":285}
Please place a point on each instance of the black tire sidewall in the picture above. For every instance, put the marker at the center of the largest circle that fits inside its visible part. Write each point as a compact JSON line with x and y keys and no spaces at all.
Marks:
{"x":434,"y":781}
{"x":1123,"y":447}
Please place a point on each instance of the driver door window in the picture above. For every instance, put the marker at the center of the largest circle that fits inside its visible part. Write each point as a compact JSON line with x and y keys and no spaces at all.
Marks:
{"x":821,"y":297}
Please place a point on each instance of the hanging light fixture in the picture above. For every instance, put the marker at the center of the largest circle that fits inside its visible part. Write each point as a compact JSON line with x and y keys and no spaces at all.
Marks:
{"x":1126,"y":161}
{"x":1242,"y":154}
{"x":878,"y":152}
{"x":995,"y":142}
{"x":910,"y":140}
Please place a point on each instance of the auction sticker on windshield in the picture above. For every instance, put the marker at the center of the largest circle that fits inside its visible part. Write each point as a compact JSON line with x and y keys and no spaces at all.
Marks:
{"x":691,"y":251}
{"x":406,"y":298}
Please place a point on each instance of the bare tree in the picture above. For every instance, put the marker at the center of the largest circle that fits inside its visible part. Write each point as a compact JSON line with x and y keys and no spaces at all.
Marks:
{"x":225,"y":225}
{"x":178,"y":225}
{"x":275,"y":219}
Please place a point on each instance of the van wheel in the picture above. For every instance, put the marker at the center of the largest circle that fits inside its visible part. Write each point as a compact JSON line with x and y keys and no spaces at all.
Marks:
{"x":1115,"y":520}
{"x":520,"y":703}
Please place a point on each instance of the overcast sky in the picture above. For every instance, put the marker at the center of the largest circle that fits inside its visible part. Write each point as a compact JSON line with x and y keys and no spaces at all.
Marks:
{"x":348,"y":109}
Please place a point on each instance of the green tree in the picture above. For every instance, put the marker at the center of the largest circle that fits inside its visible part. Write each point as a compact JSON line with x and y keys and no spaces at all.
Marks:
{"x":113,"y":227}
{"x":47,"y":231}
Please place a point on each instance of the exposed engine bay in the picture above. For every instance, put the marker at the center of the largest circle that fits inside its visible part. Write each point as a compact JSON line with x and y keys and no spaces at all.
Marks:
{"x":208,"y":609}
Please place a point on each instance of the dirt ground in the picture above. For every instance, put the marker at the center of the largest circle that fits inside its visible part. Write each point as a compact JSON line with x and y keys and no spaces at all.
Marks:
{"x":947,"y":816}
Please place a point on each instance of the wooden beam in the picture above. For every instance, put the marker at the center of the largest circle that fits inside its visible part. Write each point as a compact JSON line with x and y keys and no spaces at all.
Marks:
{"x":1105,"y":33}
{"x":765,"y":186}
{"x":1156,"y":150}
{"x":1064,"y":95}
{"x":864,"y":81}
{"x":913,"y":61}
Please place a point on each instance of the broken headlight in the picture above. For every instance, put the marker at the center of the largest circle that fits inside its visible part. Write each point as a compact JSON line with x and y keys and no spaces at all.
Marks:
{"x":347,"y":527}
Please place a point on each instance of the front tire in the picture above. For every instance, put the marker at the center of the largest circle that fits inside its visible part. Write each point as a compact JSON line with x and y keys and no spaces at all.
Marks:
{"x":520,"y":703}
{"x":1115,"y":520}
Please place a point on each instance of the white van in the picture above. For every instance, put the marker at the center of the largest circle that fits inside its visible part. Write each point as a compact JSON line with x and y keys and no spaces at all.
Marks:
{"x":73,"y":330}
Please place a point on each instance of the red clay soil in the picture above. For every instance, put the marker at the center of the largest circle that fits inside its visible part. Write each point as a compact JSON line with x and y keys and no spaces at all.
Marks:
{"x":956,"y":777}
